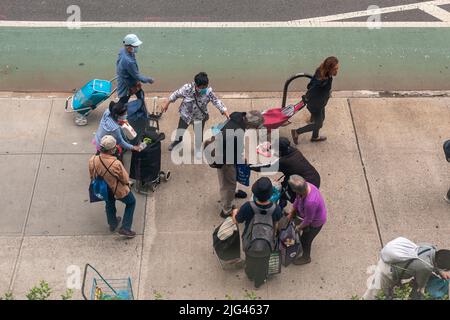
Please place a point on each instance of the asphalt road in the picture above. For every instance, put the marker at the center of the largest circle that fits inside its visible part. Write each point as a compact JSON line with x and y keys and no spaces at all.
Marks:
{"x":193,"y":10}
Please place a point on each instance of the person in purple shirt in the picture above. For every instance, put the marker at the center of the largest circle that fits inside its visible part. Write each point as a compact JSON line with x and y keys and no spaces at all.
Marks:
{"x":310,"y":207}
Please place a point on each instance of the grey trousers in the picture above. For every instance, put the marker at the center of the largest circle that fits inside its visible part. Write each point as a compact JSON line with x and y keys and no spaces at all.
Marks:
{"x":227,"y":185}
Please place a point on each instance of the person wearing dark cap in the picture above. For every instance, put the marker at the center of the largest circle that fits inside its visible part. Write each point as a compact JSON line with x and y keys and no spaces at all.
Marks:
{"x":291,"y":161}
{"x":429,"y":260}
{"x":260,"y":217}
{"x":110,"y":125}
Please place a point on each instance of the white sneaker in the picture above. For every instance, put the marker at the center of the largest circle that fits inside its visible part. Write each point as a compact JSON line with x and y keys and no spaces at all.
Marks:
{"x":447,"y":199}
{"x":198,"y":154}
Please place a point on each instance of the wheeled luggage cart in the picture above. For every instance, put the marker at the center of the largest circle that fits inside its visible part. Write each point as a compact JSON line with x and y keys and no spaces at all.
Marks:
{"x":106,"y":289}
{"x":88,"y":98}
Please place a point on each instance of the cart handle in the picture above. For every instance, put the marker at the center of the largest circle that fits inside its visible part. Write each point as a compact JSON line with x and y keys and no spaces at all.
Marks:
{"x":115,"y":88}
{"x":84,"y":280}
{"x":288,"y":82}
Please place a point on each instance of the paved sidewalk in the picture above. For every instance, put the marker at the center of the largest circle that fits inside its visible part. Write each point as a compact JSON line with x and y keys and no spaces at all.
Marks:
{"x":383,"y":175}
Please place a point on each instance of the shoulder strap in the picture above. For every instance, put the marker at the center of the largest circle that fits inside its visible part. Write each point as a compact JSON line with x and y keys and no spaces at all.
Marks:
{"x":107,"y":169}
{"x":411,"y":261}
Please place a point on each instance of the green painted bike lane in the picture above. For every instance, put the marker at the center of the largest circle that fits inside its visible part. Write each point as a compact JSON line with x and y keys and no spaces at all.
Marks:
{"x":237,"y":59}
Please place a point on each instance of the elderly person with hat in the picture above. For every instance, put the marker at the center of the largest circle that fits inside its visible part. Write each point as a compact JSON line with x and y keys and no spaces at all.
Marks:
{"x":229,"y":151}
{"x":113,"y":172}
{"x":310,"y":207}
{"x":256,"y":267}
{"x":129,"y":78}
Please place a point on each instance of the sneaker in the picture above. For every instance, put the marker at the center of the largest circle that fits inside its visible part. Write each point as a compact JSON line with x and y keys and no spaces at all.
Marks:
{"x":224,"y":215}
{"x":257,"y":286}
{"x":239,"y":264}
{"x":319,"y":139}
{"x":240,"y":194}
{"x":127,"y":233}
{"x":294,"y":135}
{"x":111,"y":228}
{"x":301,"y":261}
{"x":173,"y":144}
{"x":198,"y":154}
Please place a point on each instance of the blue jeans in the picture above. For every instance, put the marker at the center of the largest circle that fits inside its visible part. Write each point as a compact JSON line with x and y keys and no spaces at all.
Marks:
{"x":130,"y":203}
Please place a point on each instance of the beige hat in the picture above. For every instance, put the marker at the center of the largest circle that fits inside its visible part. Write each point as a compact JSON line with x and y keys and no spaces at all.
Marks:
{"x":108,"y":142}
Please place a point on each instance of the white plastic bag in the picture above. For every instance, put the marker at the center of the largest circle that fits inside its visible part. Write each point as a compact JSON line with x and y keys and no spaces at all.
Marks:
{"x":399,"y":250}
{"x":129,"y":131}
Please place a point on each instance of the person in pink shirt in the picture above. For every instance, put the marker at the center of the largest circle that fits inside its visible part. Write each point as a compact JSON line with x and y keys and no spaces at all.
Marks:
{"x":310,"y":207}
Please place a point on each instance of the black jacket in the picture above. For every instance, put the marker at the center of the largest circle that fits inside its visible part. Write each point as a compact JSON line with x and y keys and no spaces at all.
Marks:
{"x":318,"y":93}
{"x":236,"y":122}
{"x":296,"y":163}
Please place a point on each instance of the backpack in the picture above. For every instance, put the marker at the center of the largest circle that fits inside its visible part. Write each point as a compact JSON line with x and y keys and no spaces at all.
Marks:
{"x":399,"y":250}
{"x":447,"y":150}
{"x":98,"y":188}
{"x":258,"y":240}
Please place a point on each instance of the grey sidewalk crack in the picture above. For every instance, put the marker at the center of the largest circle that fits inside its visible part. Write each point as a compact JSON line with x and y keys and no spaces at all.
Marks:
{"x":24,"y":227}
{"x":365,"y":173}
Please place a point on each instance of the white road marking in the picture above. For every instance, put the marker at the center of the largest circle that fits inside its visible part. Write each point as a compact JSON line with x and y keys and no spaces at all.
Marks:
{"x":364,"y":13}
{"x":435,"y":11}
{"x":331,"y":21}
{"x":275,"y":24}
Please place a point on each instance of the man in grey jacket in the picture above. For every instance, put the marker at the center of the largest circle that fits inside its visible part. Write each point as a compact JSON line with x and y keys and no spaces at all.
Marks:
{"x":129,"y":78}
{"x":429,"y":261}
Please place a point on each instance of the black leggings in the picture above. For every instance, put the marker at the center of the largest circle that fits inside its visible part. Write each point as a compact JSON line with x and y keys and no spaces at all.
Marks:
{"x":307,"y":237}
{"x":256,"y":269}
{"x":317,"y":122}
{"x":139,"y":95}
{"x":182,"y":126}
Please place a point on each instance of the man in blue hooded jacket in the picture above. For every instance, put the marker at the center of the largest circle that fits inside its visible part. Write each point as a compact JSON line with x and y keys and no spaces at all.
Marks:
{"x":129,"y":78}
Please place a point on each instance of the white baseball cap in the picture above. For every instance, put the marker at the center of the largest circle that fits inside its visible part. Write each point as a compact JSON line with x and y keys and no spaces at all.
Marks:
{"x":132,"y":40}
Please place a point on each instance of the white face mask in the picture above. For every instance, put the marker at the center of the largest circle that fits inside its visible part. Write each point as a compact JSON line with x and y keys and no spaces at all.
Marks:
{"x":135,"y":49}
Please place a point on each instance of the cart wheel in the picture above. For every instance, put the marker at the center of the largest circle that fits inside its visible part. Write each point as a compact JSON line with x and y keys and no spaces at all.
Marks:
{"x":167,"y":177}
{"x":80,"y":120}
{"x":154,"y":187}
{"x":161,"y":174}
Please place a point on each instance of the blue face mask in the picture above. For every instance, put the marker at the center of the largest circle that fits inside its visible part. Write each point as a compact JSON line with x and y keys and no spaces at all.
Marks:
{"x":203,"y":91}
{"x":135,"y":49}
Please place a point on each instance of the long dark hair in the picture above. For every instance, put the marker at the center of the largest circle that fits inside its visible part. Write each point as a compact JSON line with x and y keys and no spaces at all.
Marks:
{"x":327,"y":66}
{"x":117,"y":109}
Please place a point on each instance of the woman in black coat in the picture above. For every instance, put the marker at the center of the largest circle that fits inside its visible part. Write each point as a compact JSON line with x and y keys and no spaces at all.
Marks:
{"x":292,"y":161}
{"x":316,"y":98}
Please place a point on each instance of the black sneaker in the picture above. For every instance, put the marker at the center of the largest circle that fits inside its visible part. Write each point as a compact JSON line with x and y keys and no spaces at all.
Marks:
{"x":127,"y":233}
{"x":111,"y":228}
{"x":258,"y":285}
{"x":240,"y":194}
{"x":301,"y":261}
{"x":224,"y":215}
